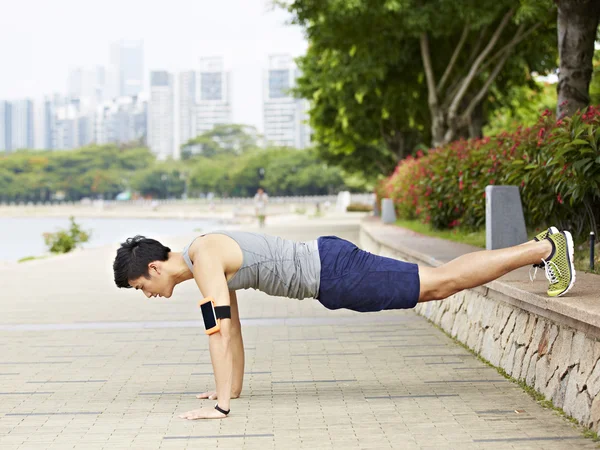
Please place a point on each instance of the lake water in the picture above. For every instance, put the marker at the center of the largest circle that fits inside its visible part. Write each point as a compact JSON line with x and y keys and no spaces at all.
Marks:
{"x":22,"y":237}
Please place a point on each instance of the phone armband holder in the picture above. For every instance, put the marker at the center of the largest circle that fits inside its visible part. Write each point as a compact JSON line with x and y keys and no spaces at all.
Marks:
{"x":213,"y":315}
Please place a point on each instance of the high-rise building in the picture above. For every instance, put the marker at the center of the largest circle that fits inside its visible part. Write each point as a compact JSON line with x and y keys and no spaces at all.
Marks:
{"x":213,"y":106}
{"x":89,"y":84}
{"x":5,"y":126}
{"x":161,"y":126}
{"x":122,"y":120}
{"x":72,"y":124}
{"x":49,"y":123}
{"x":127,"y":58}
{"x":284,"y":116}
{"x":187,"y":106}
{"x":22,"y":125}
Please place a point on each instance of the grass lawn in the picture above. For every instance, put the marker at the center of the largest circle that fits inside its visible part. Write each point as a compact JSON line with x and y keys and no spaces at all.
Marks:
{"x":477,"y":238}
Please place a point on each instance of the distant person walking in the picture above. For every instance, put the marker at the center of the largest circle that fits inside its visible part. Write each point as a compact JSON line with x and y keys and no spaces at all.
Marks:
{"x":260,"y":205}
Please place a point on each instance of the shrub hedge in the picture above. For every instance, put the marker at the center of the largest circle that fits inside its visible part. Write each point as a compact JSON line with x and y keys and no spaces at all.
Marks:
{"x":556,"y":164}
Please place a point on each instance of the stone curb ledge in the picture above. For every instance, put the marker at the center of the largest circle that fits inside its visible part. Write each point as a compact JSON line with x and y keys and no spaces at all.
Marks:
{"x":552,"y":345}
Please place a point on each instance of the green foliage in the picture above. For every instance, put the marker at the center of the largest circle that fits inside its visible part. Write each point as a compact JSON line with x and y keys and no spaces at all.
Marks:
{"x":164,"y":180}
{"x":556,"y":165}
{"x":287,"y":172}
{"x":595,"y":83}
{"x":364,"y":78}
{"x":227,"y":139}
{"x":27,"y":258}
{"x":229,"y":168}
{"x":95,"y":171}
{"x":521,"y":107}
{"x":63,"y":241}
{"x":359,"y":207}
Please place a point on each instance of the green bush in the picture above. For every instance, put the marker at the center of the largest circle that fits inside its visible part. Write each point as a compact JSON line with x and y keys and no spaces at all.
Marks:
{"x":63,"y":241}
{"x":359,"y":207}
{"x":555,"y":164}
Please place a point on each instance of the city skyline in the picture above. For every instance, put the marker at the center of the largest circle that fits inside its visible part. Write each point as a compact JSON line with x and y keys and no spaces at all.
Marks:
{"x":108,"y":106}
{"x":243,"y":32}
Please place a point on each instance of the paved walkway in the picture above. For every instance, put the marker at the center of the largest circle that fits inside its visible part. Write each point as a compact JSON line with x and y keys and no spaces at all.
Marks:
{"x":84,"y":365}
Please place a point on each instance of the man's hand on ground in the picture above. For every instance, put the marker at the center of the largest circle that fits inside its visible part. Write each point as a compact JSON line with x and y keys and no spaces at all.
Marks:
{"x":212,"y":395}
{"x":203,"y":413}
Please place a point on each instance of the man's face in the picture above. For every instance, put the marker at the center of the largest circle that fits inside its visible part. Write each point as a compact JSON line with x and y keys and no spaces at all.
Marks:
{"x":157,"y":285}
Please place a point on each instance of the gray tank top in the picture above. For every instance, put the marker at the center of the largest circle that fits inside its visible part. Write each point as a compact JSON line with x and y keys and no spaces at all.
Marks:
{"x":274,"y":265}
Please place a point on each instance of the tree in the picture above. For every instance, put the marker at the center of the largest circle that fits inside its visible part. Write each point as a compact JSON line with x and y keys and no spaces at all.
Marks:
{"x":232,"y":139}
{"x":577,"y":30}
{"x":489,"y":39}
{"x":92,"y":171}
{"x":366,"y":112}
{"x":160,"y":181}
{"x":383,"y":77}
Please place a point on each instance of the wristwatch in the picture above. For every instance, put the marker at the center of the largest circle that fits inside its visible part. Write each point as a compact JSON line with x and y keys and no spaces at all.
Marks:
{"x":221,"y":410}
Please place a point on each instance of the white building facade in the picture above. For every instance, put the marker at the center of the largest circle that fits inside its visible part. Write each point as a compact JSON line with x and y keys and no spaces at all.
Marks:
{"x":72,"y":123}
{"x":22,"y":133}
{"x":127,"y":58}
{"x":187,"y":106}
{"x":121,"y":121}
{"x":161,"y":124}
{"x":213,"y":104}
{"x":284,"y":116}
{"x":5,"y":126}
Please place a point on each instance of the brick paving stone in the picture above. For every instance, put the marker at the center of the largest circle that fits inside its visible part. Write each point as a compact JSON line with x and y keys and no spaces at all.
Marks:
{"x":121,"y":368}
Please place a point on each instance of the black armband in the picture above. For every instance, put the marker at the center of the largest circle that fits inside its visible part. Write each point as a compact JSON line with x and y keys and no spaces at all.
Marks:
{"x":223,"y":312}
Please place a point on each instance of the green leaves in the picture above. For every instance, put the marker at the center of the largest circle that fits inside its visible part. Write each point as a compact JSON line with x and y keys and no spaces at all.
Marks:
{"x":558,"y":175}
{"x":64,"y":241}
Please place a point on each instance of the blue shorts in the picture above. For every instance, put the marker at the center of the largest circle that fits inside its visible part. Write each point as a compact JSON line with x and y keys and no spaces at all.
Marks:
{"x":358,"y":280}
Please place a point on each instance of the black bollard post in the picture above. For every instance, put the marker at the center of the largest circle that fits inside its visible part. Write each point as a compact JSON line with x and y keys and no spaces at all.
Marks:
{"x":592,"y":242}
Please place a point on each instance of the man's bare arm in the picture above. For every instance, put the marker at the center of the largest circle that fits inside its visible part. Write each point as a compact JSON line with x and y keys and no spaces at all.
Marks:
{"x":237,"y":348}
{"x":209,"y":274}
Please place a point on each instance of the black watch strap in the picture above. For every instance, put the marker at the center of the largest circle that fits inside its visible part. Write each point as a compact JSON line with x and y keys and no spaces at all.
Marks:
{"x":221,"y":410}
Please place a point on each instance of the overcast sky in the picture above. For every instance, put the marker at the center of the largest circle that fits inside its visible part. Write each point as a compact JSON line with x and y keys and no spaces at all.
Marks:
{"x":41,"y":40}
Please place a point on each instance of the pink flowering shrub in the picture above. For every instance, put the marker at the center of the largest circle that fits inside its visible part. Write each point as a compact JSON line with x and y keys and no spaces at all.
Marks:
{"x":555,"y":164}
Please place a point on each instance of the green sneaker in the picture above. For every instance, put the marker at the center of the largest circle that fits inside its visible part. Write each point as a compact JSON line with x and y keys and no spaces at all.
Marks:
{"x":560,"y":270}
{"x":541,"y":236}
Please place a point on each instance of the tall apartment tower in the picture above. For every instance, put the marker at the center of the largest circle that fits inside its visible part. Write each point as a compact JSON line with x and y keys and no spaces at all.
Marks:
{"x":89,"y":83}
{"x":127,"y":58}
{"x":284,"y":116}
{"x":22,"y":134}
{"x":49,"y":122}
{"x":161,"y":124}
{"x":213,"y":105}
{"x":187,"y":106}
{"x":5,"y":127}
{"x":121,"y":121}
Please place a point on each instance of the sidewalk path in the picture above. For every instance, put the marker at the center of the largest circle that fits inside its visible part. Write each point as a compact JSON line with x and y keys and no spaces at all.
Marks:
{"x":84,"y":365}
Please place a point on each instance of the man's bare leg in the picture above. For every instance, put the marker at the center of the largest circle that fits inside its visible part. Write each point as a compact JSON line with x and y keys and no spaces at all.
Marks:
{"x":475,"y":269}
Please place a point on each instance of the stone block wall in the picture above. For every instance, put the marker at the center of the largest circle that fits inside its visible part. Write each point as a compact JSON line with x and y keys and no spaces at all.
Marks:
{"x":559,"y":361}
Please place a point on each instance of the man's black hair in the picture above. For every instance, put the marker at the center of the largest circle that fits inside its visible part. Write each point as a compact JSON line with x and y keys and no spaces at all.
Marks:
{"x":134,"y":256}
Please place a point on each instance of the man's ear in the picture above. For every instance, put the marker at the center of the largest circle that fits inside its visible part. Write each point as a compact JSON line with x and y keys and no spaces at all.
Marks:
{"x":154,"y":266}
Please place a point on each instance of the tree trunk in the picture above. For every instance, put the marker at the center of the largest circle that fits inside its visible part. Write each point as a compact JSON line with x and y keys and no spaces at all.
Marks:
{"x":577,"y":27}
{"x":476,"y":121}
{"x":437,"y":115}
